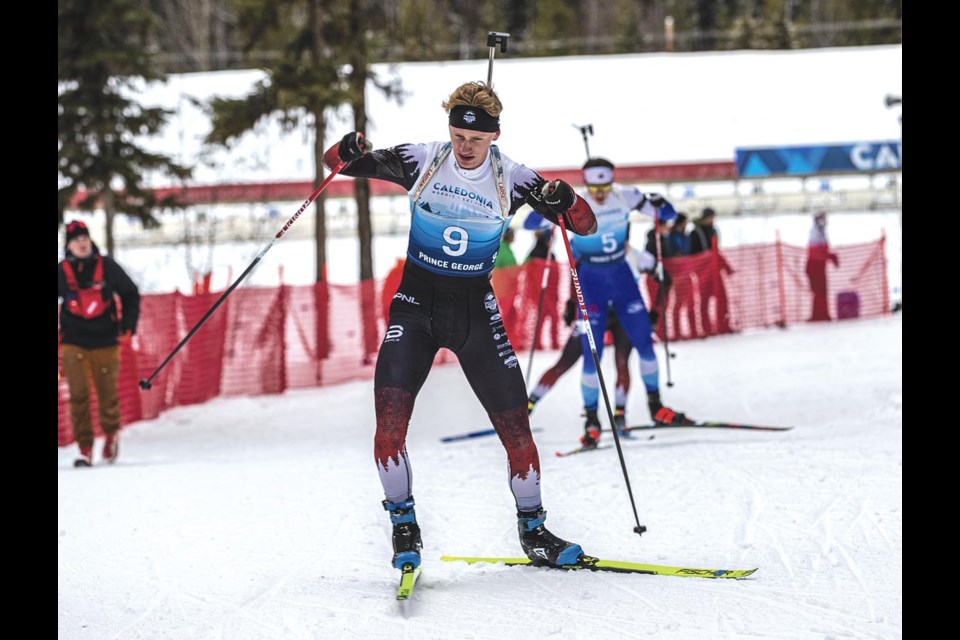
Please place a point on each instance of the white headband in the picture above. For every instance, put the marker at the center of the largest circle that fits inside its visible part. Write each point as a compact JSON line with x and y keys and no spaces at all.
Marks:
{"x":598,"y":175}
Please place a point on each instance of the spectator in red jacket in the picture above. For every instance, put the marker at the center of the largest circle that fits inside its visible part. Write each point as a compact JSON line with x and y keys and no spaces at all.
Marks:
{"x":818,"y":254}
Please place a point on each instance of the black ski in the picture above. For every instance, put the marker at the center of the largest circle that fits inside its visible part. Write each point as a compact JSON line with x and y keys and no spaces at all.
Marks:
{"x":704,"y":425}
{"x":593,"y":447}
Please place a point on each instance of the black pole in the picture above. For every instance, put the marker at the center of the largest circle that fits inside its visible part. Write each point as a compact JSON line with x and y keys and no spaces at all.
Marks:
{"x":584,"y":130}
{"x":147,"y":383}
{"x":493,"y":39}
{"x":639,"y":529}
{"x":543,"y":289}
{"x":663,"y":285}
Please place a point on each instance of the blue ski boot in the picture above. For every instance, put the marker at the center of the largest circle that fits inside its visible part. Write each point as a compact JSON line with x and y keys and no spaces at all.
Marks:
{"x":541,"y":546}
{"x":620,"y":420}
{"x":406,"y":533}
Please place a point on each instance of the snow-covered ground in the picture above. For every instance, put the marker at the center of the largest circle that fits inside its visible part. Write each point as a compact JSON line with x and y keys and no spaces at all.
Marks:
{"x":260,"y":518}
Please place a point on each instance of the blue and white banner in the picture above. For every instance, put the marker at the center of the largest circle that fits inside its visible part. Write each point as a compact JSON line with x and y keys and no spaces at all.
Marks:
{"x":856,"y":157}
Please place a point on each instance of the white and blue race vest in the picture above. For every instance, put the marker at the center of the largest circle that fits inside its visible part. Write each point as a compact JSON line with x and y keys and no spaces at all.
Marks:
{"x":608,"y":245}
{"x":458,"y":215}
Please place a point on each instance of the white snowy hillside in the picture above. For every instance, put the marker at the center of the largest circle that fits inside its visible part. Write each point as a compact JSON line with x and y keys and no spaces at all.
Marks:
{"x":260,"y":518}
{"x":644,"y":108}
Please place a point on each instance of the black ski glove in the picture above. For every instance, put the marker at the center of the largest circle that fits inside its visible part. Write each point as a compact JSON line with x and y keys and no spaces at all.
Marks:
{"x":555,"y":199}
{"x":353,"y":146}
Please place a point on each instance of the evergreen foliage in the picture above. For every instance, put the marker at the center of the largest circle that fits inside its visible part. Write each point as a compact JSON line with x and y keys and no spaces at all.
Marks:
{"x":103,"y":53}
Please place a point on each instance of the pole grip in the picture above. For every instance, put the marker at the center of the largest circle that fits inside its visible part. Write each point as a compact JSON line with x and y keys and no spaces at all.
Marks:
{"x":493,"y":39}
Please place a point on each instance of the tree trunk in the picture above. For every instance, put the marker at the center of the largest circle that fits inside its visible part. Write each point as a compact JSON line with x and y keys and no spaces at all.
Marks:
{"x":109,"y":208}
{"x":320,"y":225}
{"x":361,"y":186}
{"x":361,"y":193}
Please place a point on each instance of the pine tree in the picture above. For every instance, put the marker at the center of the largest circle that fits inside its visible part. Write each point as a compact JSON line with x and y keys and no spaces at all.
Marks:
{"x":322,"y":64}
{"x":104,"y":56}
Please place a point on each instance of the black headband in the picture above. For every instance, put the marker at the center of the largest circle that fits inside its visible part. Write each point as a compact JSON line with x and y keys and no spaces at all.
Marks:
{"x":475,"y":118}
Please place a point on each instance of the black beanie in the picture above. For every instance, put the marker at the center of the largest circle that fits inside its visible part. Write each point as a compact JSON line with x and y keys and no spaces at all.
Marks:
{"x":75,"y":229}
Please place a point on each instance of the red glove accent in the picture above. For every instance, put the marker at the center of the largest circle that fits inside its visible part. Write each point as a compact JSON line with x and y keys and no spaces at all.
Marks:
{"x":330,"y":157}
{"x":580,"y":218}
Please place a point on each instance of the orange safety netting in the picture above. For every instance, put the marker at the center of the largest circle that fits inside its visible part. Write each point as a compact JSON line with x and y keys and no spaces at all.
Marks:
{"x":266,"y":340}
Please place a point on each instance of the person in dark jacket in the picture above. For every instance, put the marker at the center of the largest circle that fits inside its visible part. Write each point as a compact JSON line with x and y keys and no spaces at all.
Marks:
{"x":704,"y":237}
{"x":703,"y":233}
{"x":538,"y":294}
{"x":680,"y":272}
{"x":659,"y":292}
{"x":91,"y":326}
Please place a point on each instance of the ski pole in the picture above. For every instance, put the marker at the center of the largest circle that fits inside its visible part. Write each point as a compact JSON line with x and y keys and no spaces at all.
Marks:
{"x":543,"y":290}
{"x":584,"y":130}
{"x":493,"y":39}
{"x":639,"y":529}
{"x":147,"y":383}
{"x":663,"y":287}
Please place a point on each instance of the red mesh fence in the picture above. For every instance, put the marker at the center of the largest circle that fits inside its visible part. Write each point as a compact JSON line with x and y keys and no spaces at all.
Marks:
{"x":266,"y":340}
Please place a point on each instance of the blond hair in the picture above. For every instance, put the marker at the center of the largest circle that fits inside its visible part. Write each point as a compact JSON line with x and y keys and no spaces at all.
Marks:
{"x":474,"y":94}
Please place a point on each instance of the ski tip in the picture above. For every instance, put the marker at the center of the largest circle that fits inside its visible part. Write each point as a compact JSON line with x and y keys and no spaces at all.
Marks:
{"x":408,"y":579}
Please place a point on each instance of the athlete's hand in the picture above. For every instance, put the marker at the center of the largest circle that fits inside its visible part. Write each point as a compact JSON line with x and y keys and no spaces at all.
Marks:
{"x":555,"y":199}
{"x":552,"y":199}
{"x":656,"y":200}
{"x":353,"y":146}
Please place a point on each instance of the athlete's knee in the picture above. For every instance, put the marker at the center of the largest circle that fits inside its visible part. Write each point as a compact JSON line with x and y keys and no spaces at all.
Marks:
{"x":513,"y":427}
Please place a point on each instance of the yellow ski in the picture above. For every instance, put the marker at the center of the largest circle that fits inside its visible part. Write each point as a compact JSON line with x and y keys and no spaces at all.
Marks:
{"x":590,"y":563}
{"x":408,"y":579}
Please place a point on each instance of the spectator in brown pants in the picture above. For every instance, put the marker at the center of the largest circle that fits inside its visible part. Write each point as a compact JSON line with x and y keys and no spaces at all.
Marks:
{"x":91,"y":326}
{"x":102,"y":365}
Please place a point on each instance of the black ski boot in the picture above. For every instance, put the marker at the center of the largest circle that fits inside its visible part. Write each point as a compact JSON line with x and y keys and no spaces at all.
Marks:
{"x":532,"y":402}
{"x":406,"y":533}
{"x":664,"y":415}
{"x":620,"y":419}
{"x":591,"y":430}
{"x":541,"y":546}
